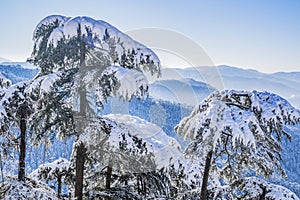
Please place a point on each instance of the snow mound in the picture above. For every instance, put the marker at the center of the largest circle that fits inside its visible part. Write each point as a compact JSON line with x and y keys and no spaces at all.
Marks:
{"x":24,"y":191}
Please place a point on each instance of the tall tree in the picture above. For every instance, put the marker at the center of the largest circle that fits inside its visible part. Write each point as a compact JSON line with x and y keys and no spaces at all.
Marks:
{"x":244,"y":128}
{"x":91,"y":46}
{"x":26,"y":105}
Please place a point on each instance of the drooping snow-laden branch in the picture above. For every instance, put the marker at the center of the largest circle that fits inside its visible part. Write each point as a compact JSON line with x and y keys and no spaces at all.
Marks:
{"x":57,"y":38}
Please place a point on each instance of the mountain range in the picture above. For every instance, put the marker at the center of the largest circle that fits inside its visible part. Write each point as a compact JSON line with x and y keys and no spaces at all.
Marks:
{"x":284,"y":84}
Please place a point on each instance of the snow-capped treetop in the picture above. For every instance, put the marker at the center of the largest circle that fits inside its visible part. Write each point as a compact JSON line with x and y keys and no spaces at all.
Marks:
{"x":102,"y":42}
{"x":4,"y":82}
{"x":39,"y":94}
{"x":25,"y":89}
{"x":238,"y":113}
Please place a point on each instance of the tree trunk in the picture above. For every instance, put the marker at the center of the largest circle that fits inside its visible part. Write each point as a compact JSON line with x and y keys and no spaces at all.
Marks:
{"x":81,"y":150}
{"x":263,"y":195}
{"x":108,"y":177}
{"x":205,"y":176}
{"x":21,"y":171}
{"x":138,"y":184}
{"x":82,"y":54}
{"x":80,"y":159}
{"x":58,"y":186}
{"x":1,"y":165}
{"x":44,"y":154}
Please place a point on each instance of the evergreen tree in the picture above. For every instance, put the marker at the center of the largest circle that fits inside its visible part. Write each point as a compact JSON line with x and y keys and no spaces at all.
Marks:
{"x":62,"y":43}
{"x":236,"y":130}
{"x":25,"y":106}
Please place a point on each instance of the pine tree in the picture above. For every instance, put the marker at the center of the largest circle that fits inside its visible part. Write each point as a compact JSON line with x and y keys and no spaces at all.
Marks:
{"x":62,"y":43}
{"x":26,"y":106}
{"x":244,"y":128}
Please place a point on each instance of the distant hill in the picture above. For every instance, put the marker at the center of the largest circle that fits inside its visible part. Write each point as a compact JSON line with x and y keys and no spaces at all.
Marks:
{"x":17,"y":73}
{"x":184,"y":91}
{"x":4,"y":60}
{"x":26,"y":65}
{"x":286,"y":85}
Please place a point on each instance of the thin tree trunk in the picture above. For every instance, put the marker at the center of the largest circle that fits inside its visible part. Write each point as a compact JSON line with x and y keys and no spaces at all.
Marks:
{"x":205,"y":176}
{"x":58,"y":186}
{"x":82,"y":54}
{"x":44,"y":154}
{"x":80,"y":159}
{"x":21,"y":171}
{"x":1,"y":165}
{"x":81,"y":150}
{"x":138,"y":184}
{"x":263,"y":195}
{"x":108,"y":177}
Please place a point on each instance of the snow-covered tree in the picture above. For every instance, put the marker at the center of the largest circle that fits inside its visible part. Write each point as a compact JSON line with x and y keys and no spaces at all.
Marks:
{"x":238,"y":130}
{"x":130,"y":152}
{"x":25,"y":106}
{"x":15,"y":110}
{"x":58,"y":170}
{"x":91,"y":46}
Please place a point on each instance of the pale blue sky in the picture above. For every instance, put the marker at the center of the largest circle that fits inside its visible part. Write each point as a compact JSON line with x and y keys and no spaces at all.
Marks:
{"x":256,"y":34}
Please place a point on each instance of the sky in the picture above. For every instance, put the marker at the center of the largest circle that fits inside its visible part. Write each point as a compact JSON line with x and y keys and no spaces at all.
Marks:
{"x":253,"y":34}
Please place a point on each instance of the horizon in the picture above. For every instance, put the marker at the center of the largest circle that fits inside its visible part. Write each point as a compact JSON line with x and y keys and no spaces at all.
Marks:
{"x":163,"y":67}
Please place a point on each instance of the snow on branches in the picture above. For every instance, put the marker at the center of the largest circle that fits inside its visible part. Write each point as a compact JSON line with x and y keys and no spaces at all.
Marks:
{"x":61,"y":41}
